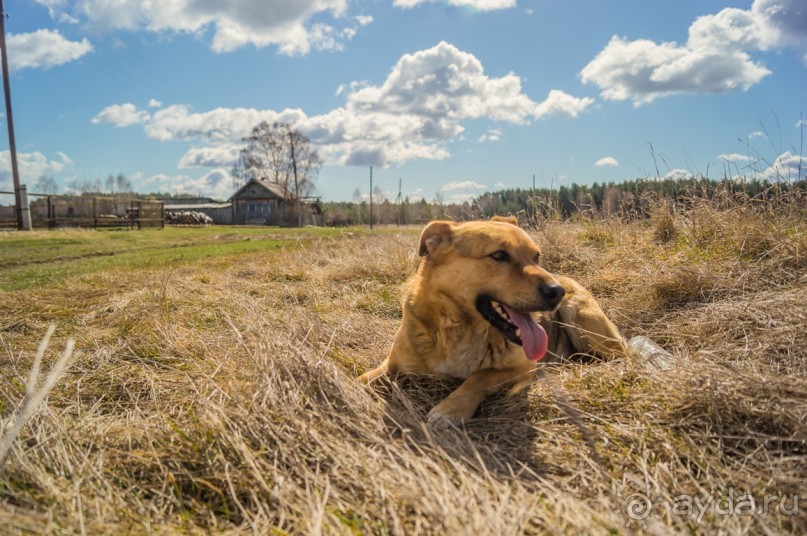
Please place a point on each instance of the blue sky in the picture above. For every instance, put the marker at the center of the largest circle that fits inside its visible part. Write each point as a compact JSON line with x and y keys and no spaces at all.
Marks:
{"x":454,"y":97}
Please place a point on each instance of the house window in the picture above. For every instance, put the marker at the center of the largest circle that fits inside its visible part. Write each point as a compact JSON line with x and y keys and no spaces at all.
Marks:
{"x":251,"y":206}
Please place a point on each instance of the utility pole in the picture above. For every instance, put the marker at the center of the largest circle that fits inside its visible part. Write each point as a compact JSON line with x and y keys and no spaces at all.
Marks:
{"x":371,"y":196}
{"x":399,"y":201}
{"x":297,"y":204}
{"x":12,"y":145}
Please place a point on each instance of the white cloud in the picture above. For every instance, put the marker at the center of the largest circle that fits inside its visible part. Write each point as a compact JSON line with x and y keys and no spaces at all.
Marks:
{"x":715,"y":58}
{"x":480,"y":5}
{"x":121,"y":115}
{"x":643,"y":71}
{"x":457,"y":199}
{"x":732,"y":29}
{"x":607,"y":161}
{"x":31,"y":166}
{"x":678,"y":174}
{"x":422,"y":104}
{"x":734,"y":157}
{"x":415,"y":113}
{"x":217,"y":183}
{"x":788,"y":18}
{"x":53,"y":6}
{"x":494,"y":134}
{"x":445,"y":82}
{"x":237,"y":23}
{"x":801,"y":123}
{"x":217,"y":156}
{"x":787,"y":167}
{"x":221,"y":125}
{"x":353,"y":86}
{"x":64,"y":158}
{"x":154,"y":103}
{"x":43,"y":49}
{"x":56,"y":11}
{"x":415,"y":195}
{"x":462,"y":185}
{"x":756,"y":134}
{"x":66,"y":18}
{"x":558,"y":102}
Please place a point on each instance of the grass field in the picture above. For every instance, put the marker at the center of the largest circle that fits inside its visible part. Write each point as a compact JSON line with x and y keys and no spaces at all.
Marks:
{"x":212,"y":388}
{"x":42,"y":258}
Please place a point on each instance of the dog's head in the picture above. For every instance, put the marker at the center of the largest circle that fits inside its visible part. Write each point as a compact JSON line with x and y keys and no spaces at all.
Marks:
{"x":491,"y":269}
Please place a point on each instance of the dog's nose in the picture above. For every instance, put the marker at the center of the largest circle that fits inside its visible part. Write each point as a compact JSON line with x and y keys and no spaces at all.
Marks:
{"x":552,"y":293}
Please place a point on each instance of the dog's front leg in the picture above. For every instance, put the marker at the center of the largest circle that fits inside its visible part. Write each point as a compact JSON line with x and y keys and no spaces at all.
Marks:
{"x":462,"y":403}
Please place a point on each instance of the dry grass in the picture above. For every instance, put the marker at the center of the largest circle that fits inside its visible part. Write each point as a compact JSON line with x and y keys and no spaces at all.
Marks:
{"x":219,"y":397}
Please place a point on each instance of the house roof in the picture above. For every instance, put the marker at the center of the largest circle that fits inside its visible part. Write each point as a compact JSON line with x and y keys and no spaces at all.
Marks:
{"x":196,"y":206}
{"x":271,"y":188}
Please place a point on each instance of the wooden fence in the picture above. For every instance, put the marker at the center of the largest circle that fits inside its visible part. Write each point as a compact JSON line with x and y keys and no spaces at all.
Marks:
{"x":53,"y":211}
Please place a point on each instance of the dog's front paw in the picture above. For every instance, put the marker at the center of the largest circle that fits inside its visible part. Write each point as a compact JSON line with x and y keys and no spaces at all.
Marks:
{"x":436,"y":419}
{"x":447,"y":413}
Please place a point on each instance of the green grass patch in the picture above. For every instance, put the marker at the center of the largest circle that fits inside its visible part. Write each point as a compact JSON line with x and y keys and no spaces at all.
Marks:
{"x":30,"y":260}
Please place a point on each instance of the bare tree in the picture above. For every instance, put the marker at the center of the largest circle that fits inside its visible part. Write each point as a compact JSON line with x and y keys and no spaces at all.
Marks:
{"x":123,"y":184}
{"x":46,"y":185}
{"x":118,"y":184}
{"x":280,"y":154}
{"x":379,"y":194}
{"x":266,"y":154}
{"x":240,"y":171}
{"x":305,"y":162}
{"x":85,"y":187}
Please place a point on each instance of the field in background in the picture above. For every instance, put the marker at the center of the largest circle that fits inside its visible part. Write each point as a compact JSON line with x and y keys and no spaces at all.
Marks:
{"x":214,"y":387}
{"x":49,"y":258}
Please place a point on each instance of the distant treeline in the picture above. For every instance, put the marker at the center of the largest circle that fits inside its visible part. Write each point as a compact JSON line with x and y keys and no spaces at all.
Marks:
{"x":629,"y":199}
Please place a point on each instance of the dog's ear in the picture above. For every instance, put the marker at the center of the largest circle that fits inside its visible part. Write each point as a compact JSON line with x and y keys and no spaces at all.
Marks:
{"x":436,"y":234}
{"x":506,"y":219}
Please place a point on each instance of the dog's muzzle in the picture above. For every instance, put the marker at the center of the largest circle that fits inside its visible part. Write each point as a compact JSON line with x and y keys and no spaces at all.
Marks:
{"x":552,"y":293}
{"x":516,"y":326}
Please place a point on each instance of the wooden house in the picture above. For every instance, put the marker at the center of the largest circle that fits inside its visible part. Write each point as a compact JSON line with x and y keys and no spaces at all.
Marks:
{"x":260,"y":202}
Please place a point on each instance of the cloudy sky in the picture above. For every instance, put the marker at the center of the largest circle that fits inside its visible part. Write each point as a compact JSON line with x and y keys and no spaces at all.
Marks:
{"x":454,"y":97}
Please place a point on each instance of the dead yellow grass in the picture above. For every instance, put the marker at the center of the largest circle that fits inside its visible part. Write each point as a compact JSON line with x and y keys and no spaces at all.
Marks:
{"x":219,"y":396}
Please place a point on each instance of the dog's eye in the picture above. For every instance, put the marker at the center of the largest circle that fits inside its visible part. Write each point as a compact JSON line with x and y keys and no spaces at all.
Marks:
{"x":537,"y":257}
{"x":501,"y":256}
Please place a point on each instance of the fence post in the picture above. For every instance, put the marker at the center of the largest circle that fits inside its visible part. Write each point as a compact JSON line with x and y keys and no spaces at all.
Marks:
{"x":25,"y":208}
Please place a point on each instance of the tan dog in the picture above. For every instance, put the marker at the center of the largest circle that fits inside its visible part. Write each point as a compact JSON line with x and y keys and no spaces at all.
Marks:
{"x":480,"y":308}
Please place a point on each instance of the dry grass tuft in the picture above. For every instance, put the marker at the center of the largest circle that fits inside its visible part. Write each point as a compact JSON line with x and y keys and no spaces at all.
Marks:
{"x":684,"y":285}
{"x":663,"y":222}
{"x":219,"y":396}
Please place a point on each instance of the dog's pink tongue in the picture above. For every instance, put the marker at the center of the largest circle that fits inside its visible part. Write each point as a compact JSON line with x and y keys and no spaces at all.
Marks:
{"x":533,"y":336}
